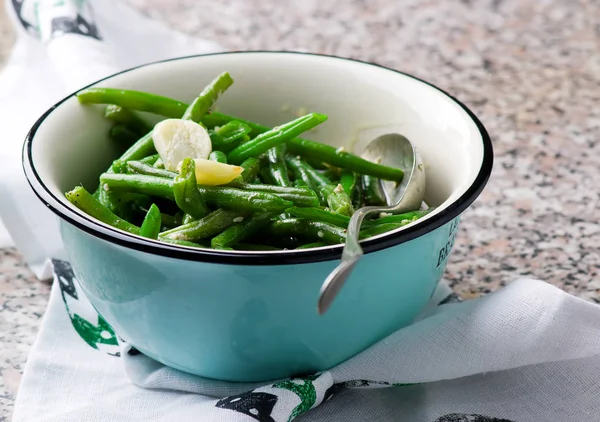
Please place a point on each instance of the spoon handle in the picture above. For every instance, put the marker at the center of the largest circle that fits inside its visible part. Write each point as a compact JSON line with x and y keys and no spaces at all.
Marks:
{"x":350,"y":255}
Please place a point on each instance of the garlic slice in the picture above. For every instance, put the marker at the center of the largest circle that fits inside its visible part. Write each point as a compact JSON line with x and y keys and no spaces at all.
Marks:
{"x":176,"y":139}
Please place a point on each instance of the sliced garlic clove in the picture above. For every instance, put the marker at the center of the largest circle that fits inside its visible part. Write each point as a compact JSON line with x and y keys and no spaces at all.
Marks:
{"x":176,"y":139}
{"x":213,"y":173}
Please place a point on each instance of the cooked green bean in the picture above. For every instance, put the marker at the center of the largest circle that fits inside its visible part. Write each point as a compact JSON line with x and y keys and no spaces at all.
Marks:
{"x":138,"y":183}
{"x":330,"y":194}
{"x":241,"y":230}
{"x":251,"y":168}
{"x":404,"y":218}
{"x":276,"y":136}
{"x":185,"y":190}
{"x":218,"y":156}
{"x":348,"y":181}
{"x":218,"y":196}
{"x":315,"y":230}
{"x":133,"y":100}
{"x":213,"y":223}
{"x":277,"y":167}
{"x":227,"y":137}
{"x":159,"y":164}
{"x":152,"y":223}
{"x":119,"y":166}
{"x":187,"y":219}
{"x":140,"y":168}
{"x":303,"y":178}
{"x":373,"y":192}
{"x":209,"y":95}
{"x":83,"y":200}
{"x":140,"y":149}
{"x":316,"y":214}
{"x":378,"y":229}
{"x":150,"y":160}
{"x":301,"y":197}
{"x":128,"y":118}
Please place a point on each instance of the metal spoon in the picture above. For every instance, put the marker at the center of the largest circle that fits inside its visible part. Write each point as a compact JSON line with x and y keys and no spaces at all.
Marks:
{"x":393,"y":150}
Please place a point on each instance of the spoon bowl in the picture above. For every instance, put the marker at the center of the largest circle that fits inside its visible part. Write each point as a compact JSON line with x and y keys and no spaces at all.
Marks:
{"x":393,"y":150}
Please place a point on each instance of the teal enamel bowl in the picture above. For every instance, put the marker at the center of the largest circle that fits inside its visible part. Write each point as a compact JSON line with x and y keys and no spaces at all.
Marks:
{"x":251,"y":316}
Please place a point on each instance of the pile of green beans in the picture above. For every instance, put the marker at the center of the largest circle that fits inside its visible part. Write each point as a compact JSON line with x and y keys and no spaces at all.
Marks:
{"x":292,"y":194}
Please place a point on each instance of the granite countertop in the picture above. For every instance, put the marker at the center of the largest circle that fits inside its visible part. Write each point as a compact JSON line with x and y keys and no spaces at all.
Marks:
{"x":529,"y":69}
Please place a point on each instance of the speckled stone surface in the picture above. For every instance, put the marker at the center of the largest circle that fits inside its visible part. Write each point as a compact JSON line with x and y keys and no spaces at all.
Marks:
{"x":529,"y":69}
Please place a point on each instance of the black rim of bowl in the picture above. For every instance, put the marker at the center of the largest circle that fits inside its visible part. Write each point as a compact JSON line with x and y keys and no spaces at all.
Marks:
{"x":90,"y":226}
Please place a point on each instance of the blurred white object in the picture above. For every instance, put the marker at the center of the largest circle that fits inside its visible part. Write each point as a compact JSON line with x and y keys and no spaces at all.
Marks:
{"x":61,"y":47}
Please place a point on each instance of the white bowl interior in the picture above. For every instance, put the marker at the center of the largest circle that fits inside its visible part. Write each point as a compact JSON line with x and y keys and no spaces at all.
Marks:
{"x":71,"y":146}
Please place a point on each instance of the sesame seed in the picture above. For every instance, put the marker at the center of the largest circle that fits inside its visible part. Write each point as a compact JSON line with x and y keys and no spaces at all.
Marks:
{"x":340,"y":149}
{"x":238,"y":219}
{"x":106,"y":187}
{"x":320,"y":234}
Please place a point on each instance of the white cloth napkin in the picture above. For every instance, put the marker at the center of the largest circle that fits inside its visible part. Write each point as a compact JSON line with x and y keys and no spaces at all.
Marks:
{"x":61,"y":47}
{"x":527,"y":353}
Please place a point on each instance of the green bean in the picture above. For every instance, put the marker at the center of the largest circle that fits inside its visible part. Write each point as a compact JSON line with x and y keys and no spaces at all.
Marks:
{"x":239,"y":199}
{"x":185,"y":190}
{"x":301,"y":197}
{"x":334,"y":196}
{"x":142,"y":148}
{"x":152,"y":223}
{"x":255,"y":247}
{"x":123,"y":135}
{"x":133,"y":100}
{"x":358,"y":198}
{"x":300,"y":173}
{"x":316,"y":214}
{"x":311,"y":245}
{"x":83,"y":200}
{"x":229,"y":136}
{"x":379,"y":229}
{"x":141,"y":101}
{"x":251,"y":168}
{"x":127,"y":117}
{"x":405,"y":218}
{"x":140,"y":168}
{"x":277,"y":167}
{"x":316,"y":230}
{"x":218,"y":156}
{"x":348,"y":181}
{"x":150,"y":160}
{"x":241,"y":230}
{"x":265,"y":176}
{"x":337,"y":200}
{"x":207,"y":97}
{"x":276,"y":136}
{"x":208,"y":226}
{"x":373,"y":192}
{"x":139,"y":183}
{"x":217,"y":196}
{"x":119,"y":166}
